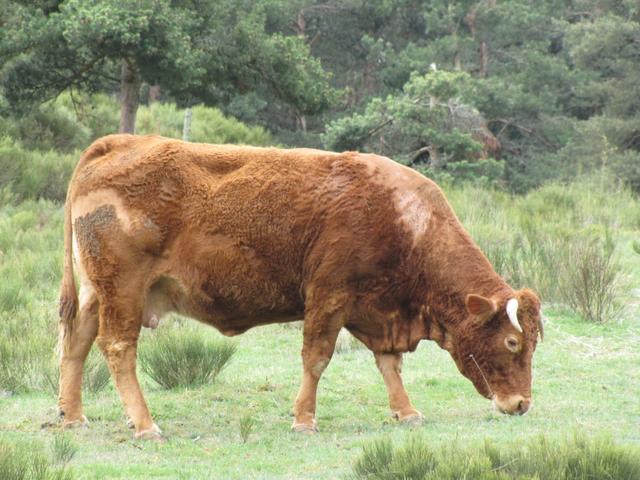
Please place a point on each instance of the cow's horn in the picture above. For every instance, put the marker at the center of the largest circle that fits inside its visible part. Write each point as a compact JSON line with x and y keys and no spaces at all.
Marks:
{"x":541,"y":327}
{"x":512,"y":313}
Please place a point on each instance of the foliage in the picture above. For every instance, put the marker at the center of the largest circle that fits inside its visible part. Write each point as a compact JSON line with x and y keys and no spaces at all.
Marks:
{"x":246,"y":423}
{"x":27,"y":462}
{"x":594,"y":283}
{"x":43,"y":170}
{"x":197,"y":52}
{"x":403,"y":125}
{"x":209,"y":125}
{"x":556,"y":240}
{"x":63,"y":448}
{"x":575,"y":458}
{"x":184,"y":358}
{"x":32,"y":174}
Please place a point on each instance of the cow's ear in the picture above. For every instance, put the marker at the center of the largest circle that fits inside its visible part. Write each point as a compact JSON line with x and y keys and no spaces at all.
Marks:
{"x":480,"y":306}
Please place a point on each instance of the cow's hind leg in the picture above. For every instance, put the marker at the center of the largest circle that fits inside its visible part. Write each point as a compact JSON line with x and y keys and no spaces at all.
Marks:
{"x":120,"y":325}
{"x":74,"y":346}
{"x":390,"y":365}
{"x":320,"y":333}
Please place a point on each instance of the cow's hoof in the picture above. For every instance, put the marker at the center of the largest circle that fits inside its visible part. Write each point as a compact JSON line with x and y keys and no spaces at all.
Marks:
{"x":79,"y":423}
{"x":153,"y":433}
{"x":130,"y":424}
{"x":305,"y":428}
{"x":412,"y":420}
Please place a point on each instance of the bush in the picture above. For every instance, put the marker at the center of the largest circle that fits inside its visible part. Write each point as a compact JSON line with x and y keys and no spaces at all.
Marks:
{"x":576,"y":458}
{"x":209,"y":125}
{"x":176,"y":358}
{"x":27,"y":462}
{"x":592,"y":281}
{"x":31,"y":174}
{"x":52,"y":126}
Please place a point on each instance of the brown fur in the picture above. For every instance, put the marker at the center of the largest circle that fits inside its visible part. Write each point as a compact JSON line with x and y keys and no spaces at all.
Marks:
{"x":240,"y":236}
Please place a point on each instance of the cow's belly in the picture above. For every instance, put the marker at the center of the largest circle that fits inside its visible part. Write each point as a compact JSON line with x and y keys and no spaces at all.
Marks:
{"x":227,"y":287}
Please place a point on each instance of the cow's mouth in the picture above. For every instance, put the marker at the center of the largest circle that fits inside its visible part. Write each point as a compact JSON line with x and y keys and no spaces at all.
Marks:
{"x":512,"y":404}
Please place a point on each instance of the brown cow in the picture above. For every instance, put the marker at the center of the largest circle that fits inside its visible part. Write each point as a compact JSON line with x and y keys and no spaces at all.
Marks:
{"x":240,"y":236}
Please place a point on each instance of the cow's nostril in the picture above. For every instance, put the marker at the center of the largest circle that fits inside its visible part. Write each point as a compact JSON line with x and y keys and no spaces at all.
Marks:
{"x":523,"y":406}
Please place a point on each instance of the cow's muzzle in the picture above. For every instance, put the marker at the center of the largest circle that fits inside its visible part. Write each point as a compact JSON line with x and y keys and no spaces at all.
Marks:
{"x":513,"y":404}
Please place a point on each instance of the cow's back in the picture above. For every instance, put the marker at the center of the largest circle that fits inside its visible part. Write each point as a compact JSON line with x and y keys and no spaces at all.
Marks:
{"x":225,"y":231}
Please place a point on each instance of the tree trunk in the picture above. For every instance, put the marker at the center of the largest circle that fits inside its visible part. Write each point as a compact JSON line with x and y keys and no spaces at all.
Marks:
{"x":154,"y":93}
{"x":130,"y":82}
{"x":483,"y":48}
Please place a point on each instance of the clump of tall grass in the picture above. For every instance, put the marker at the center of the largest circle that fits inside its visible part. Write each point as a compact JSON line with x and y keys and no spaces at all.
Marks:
{"x":593,"y":280}
{"x":569,"y":459}
{"x":246,"y":423}
{"x":27,"y":462}
{"x":180,"y":358}
{"x":63,"y":448}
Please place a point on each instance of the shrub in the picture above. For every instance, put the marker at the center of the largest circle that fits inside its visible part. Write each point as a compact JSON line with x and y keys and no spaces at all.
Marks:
{"x":27,"y":462}
{"x":209,"y":125}
{"x":31,"y":174}
{"x":54,"y":125}
{"x":576,"y":458}
{"x":175,"y":358}
{"x":592,"y":281}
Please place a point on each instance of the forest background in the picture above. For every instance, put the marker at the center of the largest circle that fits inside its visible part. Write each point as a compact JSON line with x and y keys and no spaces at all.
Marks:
{"x":527,"y":113}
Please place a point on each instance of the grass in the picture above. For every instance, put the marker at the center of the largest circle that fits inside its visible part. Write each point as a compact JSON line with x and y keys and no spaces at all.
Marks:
{"x":27,"y":461}
{"x":577,"y":458}
{"x":586,"y":375}
{"x":247,"y":423}
{"x":183,"y":358}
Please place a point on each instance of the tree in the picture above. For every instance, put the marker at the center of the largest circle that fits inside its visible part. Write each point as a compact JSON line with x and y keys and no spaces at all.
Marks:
{"x":199,"y":50}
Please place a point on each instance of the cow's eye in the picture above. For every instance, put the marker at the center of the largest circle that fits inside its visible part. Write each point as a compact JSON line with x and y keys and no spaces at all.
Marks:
{"x":512,"y":344}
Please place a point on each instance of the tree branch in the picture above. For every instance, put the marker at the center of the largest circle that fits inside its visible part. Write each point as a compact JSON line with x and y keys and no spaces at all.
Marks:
{"x":528,"y":131}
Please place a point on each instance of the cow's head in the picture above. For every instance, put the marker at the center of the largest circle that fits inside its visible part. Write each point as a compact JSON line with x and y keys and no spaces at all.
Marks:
{"x":493,"y":348}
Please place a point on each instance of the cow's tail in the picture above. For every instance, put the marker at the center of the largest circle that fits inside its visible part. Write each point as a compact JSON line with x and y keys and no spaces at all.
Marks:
{"x":68,"y":294}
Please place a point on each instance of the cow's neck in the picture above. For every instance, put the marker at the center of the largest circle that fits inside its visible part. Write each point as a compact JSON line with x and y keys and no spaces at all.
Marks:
{"x":455,"y":267}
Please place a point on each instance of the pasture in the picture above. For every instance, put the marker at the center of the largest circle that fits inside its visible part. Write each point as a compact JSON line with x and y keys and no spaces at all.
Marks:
{"x":586,"y":373}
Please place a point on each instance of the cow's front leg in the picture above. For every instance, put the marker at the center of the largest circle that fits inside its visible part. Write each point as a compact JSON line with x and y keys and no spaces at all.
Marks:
{"x":118,"y":340}
{"x":320,"y":334}
{"x":390,"y":365}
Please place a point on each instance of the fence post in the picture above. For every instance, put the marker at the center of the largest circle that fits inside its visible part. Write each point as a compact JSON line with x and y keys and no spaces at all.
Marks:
{"x":186,"y":126}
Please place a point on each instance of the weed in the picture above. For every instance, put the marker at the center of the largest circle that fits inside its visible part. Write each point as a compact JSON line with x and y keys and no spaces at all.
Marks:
{"x":592,"y":284}
{"x":247,"y":423}
{"x":575,"y":458}
{"x":177,"y":358}
{"x":27,"y":462}
{"x":63,"y":448}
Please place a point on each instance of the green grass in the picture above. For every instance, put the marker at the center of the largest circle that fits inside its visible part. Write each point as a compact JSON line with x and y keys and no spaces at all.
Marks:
{"x":586,"y":375}
{"x":183,"y":358}
{"x":27,"y":461}
{"x":577,"y":458}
